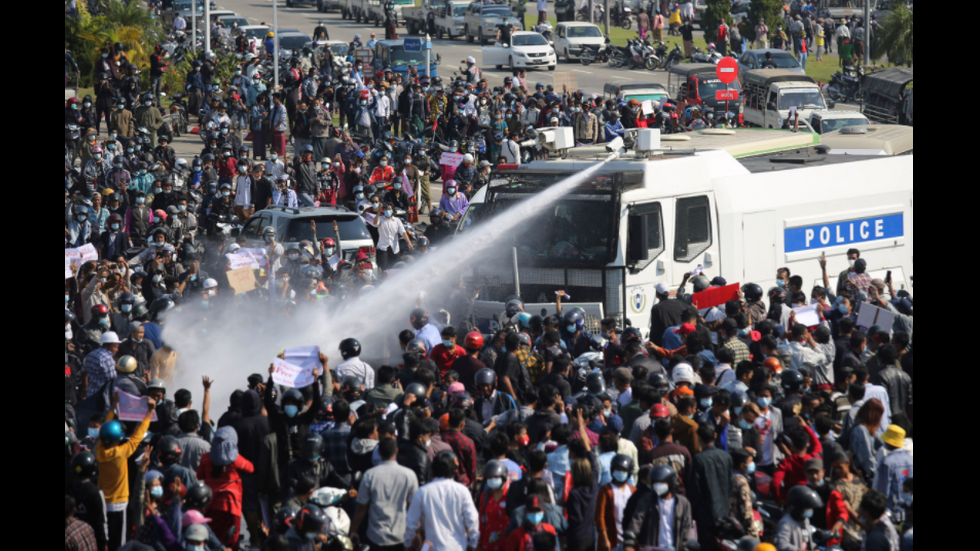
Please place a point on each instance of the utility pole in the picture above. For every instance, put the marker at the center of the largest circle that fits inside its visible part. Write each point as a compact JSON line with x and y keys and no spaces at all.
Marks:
{"x":194,"y":25}
{"x":275,"y":31}
{"x":867,"y":31}
{"x":207,"y":27}
{"x":607,"y":16}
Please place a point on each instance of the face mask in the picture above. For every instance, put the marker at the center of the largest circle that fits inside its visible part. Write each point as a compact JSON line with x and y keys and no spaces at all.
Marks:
{"x":398,"y":186}
{"x":311,"y":536}
{"x":360,"y":196}
{"x":819,"y":483}
{"x":661,"y":489}
{"x":138,"y":341}
{"x":606,"y":413}
{"x":428,"y":444}
{"x":226,"y":193}
{"x":750,"y":469}
{"x":329,"y":252}
{"x":129,"y":150}
{"x":764,"y":402}
{"x":275,"y":158}
{"x":98,"y":157}
{"x":104,"y":322}
{"x":291,"y":411}
{"x":159,"y":244}
{"x":842,"y":309}
{"x":127,"y":308}
{"x":68,"y":333}
{"x":140,"y":200}
{"x":115,"y":227}
{"x":851,"y":262}
{"x":495,"y":483}
{"x":408,"y":162}
{"x":87,"y":105}
{"x":148,"y":103}
{"x":81,"y":218}
{"x":157,"y":492}
{"x":93,"y":433}
{"x":707,"y":403}
{"x":336,"y":165}
{"x":452,"y":149}
{"x":157,"y":190}
{"x":620,"y":476}
{"x":451,"y":191}
{"x":196,"y":547}
{"x":808,"y":513}
{"x":780,"y":283}
{"x":384,"y":164}
{"x":572,"y":328}
{"x":156,"y":279}
{"x":535,"y":518}
{"x":906,"y":498}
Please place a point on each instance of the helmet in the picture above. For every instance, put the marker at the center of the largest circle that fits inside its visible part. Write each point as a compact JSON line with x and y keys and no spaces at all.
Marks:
{"x":801,"y":498}
{"x":307,"y":149}
{"x":495,"y":469}
{"x":69,"y":317}
{"x":659,"y":381}
{"x":711,"y":46}
{"x":792,"y":381}
{"x":292,"y":396}
{"x":416,"y":346}
{"x":418,"y":390}
{"x":169,"y":450}
{"x":112,"y":433}
{"x":420,"y":318}
{"x":739,"y":399}
{"x":773,"y":365}
{"x":352,"y":389}
{"x":595,"y":383}
{"x":485,"y":377}
{"x":310,"y":519}
{"x":631,"y":334}
{"x":269,"y":231}
{"x":575,"y":318}
{"x":313,"y":446}
{"x":198,"y":496}
{"x":462,"y":401}
{"x":622,"y":463}
{"x":752,"y":292}
{"x":701,"y":283}
{"x":84,"y":465}
{"x":474,"y":341}
{"x":127,"y":364}
{"x":350,"y":348}
{"x":514,"y":307}
{"x":285,"y":519}
{"x":115,"y":219}
{"x":468,"y":159}
{"x":663,"y":473}
{"x":126,"y":298}
{"x":100,"y":309}
{"x":422,"y":242}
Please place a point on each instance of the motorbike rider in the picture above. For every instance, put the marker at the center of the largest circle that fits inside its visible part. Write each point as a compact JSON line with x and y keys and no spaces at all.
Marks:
{"x":164,"y":154}
{"x":87,"y":115}
{"x":793,"y":531}
{"x":149,"y":117}
{"x":439,"y":231}
{"x":454,"y":204}
{"x":121,"y":120}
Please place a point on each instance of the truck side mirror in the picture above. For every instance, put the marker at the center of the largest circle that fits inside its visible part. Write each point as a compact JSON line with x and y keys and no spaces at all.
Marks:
{"x":637,"y":245}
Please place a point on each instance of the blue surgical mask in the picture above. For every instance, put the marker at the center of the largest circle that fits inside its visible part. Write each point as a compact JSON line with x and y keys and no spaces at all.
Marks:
{"x":329,"y":252}
{"x":738,"y":410}
{"x":452,"y":149}
{"x":764,"y":402}
{"x":127,"y":308}
{"x":140,"y":200}
{"x":707,"y":402}
{"x":157,"y":492}
{"x":291,"y":411}
{"x":114,"y":227}
{"x":360,"y":196}
{"x":495,"y":483}
{"x":389,"y":213}
{"x":780,"y":283}
{"x":503,"y":350}
{"x":744,"y":425}
{"x":93,"y":433}
{"x":820,"y":483}
{"x":906,"y":498}
{"x":750,"y":469}
{"x":572,"y":328}
{"x":311,"y":536}
{"x":842,"y":309}
{"x":808,"y":513}
{"x":104,"y":322}
{"x":606,"y":413}
{"x":181,"y":208}
{"x":535,"y":518}
{"x":447,"y":344}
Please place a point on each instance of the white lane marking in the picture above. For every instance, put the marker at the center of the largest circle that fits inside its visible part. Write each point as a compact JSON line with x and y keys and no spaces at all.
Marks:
{"x":476,"y":50}
{"x":578,"y":71}
{"x":452,"y":66}
{"x":622,"y":78}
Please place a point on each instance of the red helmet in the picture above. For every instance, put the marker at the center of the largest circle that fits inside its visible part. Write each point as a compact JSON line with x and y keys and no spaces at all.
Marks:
{"x":100,"y":310}
{"x":71,"y":101}
{"x":328,"y":243}
{"x":773,"y":365}
{"x":474,"y":341}
{"x":659,"y":411}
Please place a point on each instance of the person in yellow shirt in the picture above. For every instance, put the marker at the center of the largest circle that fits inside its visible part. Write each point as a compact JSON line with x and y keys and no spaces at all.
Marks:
{"x":113,"y":452}
{"x":820,"y":39}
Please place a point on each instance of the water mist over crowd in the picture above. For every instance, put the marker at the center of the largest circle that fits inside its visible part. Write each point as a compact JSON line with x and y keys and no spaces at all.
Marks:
{"x":234,"y":343}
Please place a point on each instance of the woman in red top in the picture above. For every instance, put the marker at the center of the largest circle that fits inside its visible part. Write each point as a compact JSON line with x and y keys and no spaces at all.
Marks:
{"x":493,"y":508}
{"x":521,"y":538}
{"x":220,"y":471}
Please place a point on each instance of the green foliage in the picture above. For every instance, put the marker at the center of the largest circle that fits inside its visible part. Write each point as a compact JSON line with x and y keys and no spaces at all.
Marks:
{"x":895,"y":37}
{"x":718,"y":11}
{"x":769,"y":10}
{"x":130,"y":24}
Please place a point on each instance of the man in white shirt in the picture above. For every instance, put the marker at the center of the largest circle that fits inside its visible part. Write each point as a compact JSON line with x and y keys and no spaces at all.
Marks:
{"x":243,"y":192}
{"x":389,"y":230}
{"x":180,"y":23}
{"x":445,"y":510}
{"x":354,"y":367}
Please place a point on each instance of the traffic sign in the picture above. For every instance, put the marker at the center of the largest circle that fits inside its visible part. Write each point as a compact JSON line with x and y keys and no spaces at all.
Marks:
{"x":726,"y":95}
{"x":727,"y":70}
{"x":413,"y":45}
{"x":364,"y":55}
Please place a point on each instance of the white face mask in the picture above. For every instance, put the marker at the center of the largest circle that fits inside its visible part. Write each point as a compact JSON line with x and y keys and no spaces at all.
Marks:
{"x":851,"y":262}
{"x":661,"y":489}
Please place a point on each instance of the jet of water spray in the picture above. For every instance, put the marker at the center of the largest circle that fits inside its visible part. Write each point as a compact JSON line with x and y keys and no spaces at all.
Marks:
{"x":236,"y":344}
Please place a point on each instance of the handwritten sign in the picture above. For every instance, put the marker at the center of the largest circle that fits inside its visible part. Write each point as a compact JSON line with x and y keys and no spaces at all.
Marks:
{"x":451,"y":159}
{"x":295,"y":368}
{"x":565,"y":79}
{"x":71,"y":259}
{"x":133,"y":408}
{"x":88,"y":253}
{"x":258,"y":254}
{"x":242,"y":280}
{"x":870,"y":315}
{"x":237,"y":261}
{"x":647,"y":107}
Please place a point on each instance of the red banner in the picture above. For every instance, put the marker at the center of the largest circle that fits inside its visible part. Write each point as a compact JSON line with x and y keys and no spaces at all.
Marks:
{"x":716,"y":296}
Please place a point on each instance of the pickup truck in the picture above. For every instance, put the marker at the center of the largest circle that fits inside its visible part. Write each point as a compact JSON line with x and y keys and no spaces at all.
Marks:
{"x":482,"y":20}
{"x":357,"y":10}
{"x":376,"y":11}
{"x":448,"y":18}
{"x":823,"y":122}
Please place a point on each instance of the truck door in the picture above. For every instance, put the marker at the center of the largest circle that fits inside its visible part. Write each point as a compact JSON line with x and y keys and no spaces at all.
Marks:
{"x":648,"y":259}
{"x":758,"y":246}
{"x":695,"y":238}
{"x":772,"y":110}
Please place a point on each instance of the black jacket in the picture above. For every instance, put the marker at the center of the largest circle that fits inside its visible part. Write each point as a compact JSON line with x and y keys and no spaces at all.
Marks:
{"x":91,"y":508}
{"x":252,"y":428}
{"x":709,"y":485}
{"x":899,"y":387}
{"x":321,"y":473}
{"x":305,"y":177}
{"x":290,"y":433}
{"x":664,"y":315}
{"x":641,"y":521}
{"x":416,"y":459}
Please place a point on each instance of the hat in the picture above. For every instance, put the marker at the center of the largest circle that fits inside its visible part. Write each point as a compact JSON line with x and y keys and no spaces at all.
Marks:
{"x":894,"y":436}
{"x":196,"y":533}
{"x":623,"y":374}
{"x":533,"y":501}
{"x":471,"y":59}
{"x":484,"y":164}
{"x":135,"y":326}
{"x":719,"y":282}
{"x":659,"y":411}
{"x":702,"y":392}
{"x":879,"y":283}
{"x":813,"y":465}
{"x":110,"y":338}
{"x":153,"y":475}
{"x":861,"y":263}
{"x":361,"y":257}
{"x":684,"y":373}
{"x":456,"y":388}
{"x":662,"y":288}
{"x":357,"y":37}
{"x":685,"y":329}
{"x":194,"y":517}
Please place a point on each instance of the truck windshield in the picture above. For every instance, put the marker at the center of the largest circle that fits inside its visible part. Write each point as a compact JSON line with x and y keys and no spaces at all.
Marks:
{"x":660,"y":98}
{"x":707,"y":88}
{"x":803,"y":98}
{"x":584,"y":32}
{"x":401,"y":58}
{"x":460,"y":10}
{"x":497,"y":12}
{"x":576,"y":232}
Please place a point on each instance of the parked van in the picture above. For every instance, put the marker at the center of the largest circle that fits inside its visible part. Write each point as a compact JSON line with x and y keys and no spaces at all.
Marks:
{"x":770,"y":93}
{"x":696,"y":84}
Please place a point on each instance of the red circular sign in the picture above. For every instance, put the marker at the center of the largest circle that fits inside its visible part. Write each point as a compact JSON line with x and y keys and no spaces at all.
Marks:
{"x":727,"y":70}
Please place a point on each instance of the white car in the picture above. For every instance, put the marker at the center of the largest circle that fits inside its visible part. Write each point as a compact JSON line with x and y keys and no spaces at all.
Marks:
{"x":571,"y":37}
{"x":527,"y":50}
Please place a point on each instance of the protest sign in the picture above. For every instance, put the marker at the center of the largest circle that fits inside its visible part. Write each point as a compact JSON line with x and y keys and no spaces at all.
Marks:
{"x":260,"y":256}
{"x":295,"y":368}
{"x":565,"y":79}
{"x":87,"y":253}
{"x":647,"y":107}
{"x":68,"y":272}
{"x":242,"y":280}
{"x":715,"y":296}
{"x":133,"y":408}
{"x":237,"y":261}
{"x":807,"y":316}
{"x":451,"y":159}
{"x":870,"y":315}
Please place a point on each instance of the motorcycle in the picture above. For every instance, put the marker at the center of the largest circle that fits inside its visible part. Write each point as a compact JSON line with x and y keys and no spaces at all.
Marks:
{"x":622,"y":17}
{"x":846,"y":85}
{"x":675,"y":57}
{"x":594,"y":53}
{"x":650,"y":58}
{"x":712,"y":56}
{"x":72,"y":135}
{"x":619,"y":56}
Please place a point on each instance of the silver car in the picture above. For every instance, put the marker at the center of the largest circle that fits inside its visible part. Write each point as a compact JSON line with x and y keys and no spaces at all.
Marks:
{"x":183,"y":7}
{"x":482,"y":20}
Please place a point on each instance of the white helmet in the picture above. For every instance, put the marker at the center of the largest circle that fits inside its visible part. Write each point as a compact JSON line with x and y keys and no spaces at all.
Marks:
{"x":471,"y":60}
{"x":210,"y":283}
{"x":468,"y":159}
{"x":683,"y":373}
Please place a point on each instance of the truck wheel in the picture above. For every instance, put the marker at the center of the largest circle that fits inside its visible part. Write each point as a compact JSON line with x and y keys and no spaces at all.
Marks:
{"x":469,"y":38}
{"x":568,"y":57}
{"x":439,"y":34}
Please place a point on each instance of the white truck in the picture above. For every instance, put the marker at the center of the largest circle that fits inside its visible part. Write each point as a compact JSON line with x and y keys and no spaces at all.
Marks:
{"x":447,"y":18}
{"x":651,"y":219}
{"x":823,"y":122}
{"x":376,"y":11}
{"x":357,"y":10}
{"x":769,"y":95}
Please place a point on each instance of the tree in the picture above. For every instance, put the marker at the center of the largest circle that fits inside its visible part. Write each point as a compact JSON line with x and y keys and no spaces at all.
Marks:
{"x":718,"y":11}
{"x":895,"y":37}
{"x":769,"y":10}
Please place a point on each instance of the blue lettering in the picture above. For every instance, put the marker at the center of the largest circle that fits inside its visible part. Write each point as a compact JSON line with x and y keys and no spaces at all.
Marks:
{"x":844,"y":233}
